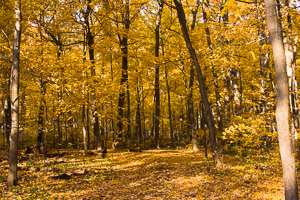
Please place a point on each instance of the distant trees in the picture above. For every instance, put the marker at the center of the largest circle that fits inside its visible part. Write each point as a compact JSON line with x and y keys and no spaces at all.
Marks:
{"x":123,"y":73}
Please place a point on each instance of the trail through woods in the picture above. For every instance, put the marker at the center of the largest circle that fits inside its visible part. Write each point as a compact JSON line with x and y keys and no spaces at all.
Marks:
{"x":153,"y":174}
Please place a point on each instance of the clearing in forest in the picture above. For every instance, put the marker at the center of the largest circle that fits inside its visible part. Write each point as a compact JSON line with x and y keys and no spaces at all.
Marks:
{"x":151,"y":174}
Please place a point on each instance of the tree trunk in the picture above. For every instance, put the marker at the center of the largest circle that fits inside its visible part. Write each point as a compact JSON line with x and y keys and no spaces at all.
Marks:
{"x":282,"y":103}
{"x":138,"y":125}
{"x":88,"y":123}
{"x":215,"y":76}
{"x":84,"y":131}
{"x":90,"y":43}
{"x":121,"y":103}
{"x":191,"y":117}
{"x":170,"y":111}
{"x":7,"y":117}
{"x":41,"y":122}
{"x":209,"y":116}
{"x":290,"y":55}
{"x":157,"y":89}
{"x":14,"y":92}
{"x":203,"y":126}
{"x":129,"y":138}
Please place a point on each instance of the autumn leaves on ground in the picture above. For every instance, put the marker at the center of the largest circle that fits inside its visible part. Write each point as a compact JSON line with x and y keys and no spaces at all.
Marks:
{"x":150,"y":174}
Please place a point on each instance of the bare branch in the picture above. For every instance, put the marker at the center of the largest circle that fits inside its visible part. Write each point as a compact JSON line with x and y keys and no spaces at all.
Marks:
{"x":5,"y":58}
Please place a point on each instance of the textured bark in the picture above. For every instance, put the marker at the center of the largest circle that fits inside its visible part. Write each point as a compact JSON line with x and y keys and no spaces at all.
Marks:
{"x":90,"y":43}
{"x":128,"y":118}
{"x":84,"y":131}
{"x":138,"y":126}
{"x":88,"y":125}
{"x":209,"y":116}
{"x":14,"y":94}
{"x":157,"y":89}
{"x":215,"y":76}
{"x":41,"y":121}
{"x":124,"y":78}
{"x":264,"y":63}
{"x":87,"y":130}
{"x":191,"y":117}
{"x":290,"y":54}
{"x":59,"y":96}
{"x":282,"y":103}
{"x":7,"y":117}
{"x":170,"y":111}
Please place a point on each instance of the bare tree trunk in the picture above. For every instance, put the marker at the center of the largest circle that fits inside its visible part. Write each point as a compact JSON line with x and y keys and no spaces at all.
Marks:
{"x":203,"y":126}
{"x":138,"y":128}
{"x":121,"y":103}
{"x":7,"y":117}
{"x":157,"y":89}
{"x":129,"y":138}
{"x":191,"y":118}
{"x":3,"y":133}
{"x":90,"y":43}
{"x":84,"y":131}
{"x":41,"y":121}
{"x":14,"y":91}
{"x":282,"y":103}
{"x":144,"y":118}
{"x":215,"y":76}
{"x":209,"y":116}
{"x":88,"y":123}
{"x":290,"y":55}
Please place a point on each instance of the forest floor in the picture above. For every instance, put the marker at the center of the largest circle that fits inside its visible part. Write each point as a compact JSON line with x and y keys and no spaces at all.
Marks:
{"x":150,"y":174}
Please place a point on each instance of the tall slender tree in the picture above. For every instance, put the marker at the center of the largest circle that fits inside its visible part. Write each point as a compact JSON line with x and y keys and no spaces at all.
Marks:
{"x":123,"y":41}
{"x":282,"y":102}
{"x":14,"y":94}
{"x":157,"y":89}
{"x":209,"y":115}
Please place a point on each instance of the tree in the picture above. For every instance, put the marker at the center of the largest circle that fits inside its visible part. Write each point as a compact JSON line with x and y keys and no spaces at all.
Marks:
{"x":157,"y":89}
{"x":124,"y":79}
{"x":14,"y":93}
{"x":282,"y":103}
{"x":99,"y":144}
{"x":190,"y":102}
{"x":209,"y":116}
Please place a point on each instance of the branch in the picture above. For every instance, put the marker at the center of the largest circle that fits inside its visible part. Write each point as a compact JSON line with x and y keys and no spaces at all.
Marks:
{"x":7,"y":38}
{"x":171,"y":6}
{"x":5,"y":58}
{"x":246,"y":2}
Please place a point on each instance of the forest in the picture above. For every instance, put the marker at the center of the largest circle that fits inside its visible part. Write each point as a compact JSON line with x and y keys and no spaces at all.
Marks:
{"x":149,"y":99}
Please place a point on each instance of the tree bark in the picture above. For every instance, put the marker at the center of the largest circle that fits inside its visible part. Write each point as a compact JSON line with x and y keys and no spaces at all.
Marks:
{"x":7,"y":117}
{"x":290,"y":54}
{"x":191,"y":117}
{"x":138,"y":126}
{"x":215,"y":76}
{"x":170,"y":110}
{"x":14,"y":91}
{"x":282,"y":103}
{"x":209,"y":116}
{"x":84,"y":131}
{"x":129,"y":138}
{"x":121,"y":103}
{"x":157,"y":89}
{"x":90,"y":43}
{"x":41,"y":122}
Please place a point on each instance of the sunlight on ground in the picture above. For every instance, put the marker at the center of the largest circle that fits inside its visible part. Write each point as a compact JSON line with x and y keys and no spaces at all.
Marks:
{"x":151,"y":174}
